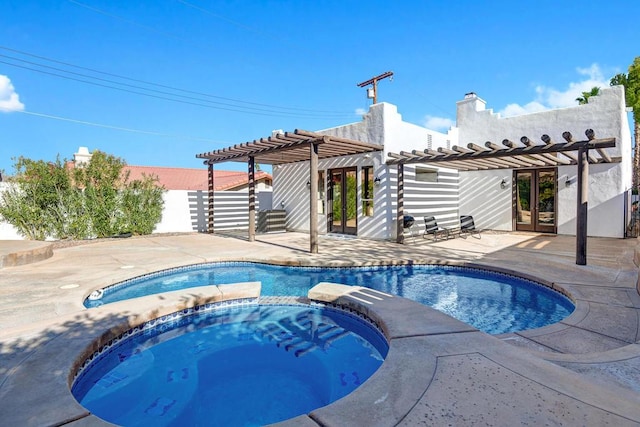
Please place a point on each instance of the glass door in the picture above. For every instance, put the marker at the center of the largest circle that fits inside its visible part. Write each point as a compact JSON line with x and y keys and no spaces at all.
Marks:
{"x":546,"y":206}
{"x":343,"y":208}
{"x":524,"y":183}
{"x":535,"y":200}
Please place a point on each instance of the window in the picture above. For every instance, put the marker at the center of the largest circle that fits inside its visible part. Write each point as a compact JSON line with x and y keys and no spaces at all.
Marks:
{"x":366,"y":184}
{"x":426,"y":175}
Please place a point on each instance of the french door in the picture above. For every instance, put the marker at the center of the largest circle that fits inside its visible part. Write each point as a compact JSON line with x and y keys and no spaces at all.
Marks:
{"x":535,"y":200}
{"x":343,"y":205}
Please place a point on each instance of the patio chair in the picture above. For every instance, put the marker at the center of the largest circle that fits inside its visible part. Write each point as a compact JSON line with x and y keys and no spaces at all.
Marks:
{"x":432,"y":229}
{"x":407,"y":224}
{"x":468,"y":227}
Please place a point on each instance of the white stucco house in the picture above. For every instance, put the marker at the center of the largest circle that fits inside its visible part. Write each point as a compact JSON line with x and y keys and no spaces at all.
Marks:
{"x":357,"y":194}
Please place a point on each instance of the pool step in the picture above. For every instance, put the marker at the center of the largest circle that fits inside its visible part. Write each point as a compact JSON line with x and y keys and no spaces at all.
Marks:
{"x":302,"y":335}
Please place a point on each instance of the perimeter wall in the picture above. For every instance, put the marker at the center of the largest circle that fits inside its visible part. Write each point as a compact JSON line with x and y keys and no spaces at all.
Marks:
{"x":186,"y":211}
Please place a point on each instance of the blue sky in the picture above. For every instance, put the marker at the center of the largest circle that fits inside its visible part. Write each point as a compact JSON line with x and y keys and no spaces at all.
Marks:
{"x":156,"y":82}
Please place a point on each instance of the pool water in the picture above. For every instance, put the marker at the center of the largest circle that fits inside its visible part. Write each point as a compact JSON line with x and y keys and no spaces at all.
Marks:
{"x":492,"y":302}
{"x":242,"y":366}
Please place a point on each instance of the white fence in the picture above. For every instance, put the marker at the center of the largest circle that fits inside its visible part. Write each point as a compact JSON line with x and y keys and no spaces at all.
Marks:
{"x":186,"y":211}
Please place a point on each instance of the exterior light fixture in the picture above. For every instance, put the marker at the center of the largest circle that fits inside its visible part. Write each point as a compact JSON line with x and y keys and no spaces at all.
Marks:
{"x":567,"y":183}
{"x":503,"y":183}
{"x":308,"y":185}
{"x":376,"y":181}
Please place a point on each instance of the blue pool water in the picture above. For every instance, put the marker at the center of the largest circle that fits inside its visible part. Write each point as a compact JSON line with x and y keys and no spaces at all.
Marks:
{"x":243,"y":366}
{"x":492,"y":302}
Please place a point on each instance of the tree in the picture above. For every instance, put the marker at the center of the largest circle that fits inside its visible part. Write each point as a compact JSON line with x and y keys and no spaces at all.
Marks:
{"x":584,"y":99}
{"x":631,"y":83}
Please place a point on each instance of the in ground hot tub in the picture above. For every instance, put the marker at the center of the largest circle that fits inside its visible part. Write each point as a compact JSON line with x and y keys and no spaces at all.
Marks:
{"x":230,"y":364}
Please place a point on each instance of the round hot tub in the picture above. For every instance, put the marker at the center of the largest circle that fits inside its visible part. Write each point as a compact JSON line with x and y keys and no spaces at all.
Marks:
{"x":230,"y":364}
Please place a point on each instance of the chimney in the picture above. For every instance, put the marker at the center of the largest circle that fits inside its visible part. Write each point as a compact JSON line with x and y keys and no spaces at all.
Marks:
{"x":82,"y":157}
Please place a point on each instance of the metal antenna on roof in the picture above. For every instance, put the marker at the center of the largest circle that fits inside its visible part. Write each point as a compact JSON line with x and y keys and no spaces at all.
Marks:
{"x":373,"y":92}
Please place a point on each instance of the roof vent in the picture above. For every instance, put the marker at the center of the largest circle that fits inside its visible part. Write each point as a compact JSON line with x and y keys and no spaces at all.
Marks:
{"x":470,"y":95}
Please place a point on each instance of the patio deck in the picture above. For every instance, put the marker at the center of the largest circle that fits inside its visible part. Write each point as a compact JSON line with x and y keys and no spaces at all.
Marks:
{"x":584,"y":370}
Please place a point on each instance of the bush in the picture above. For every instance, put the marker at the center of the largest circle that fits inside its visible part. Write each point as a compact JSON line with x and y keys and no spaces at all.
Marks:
{"x":93,"y":200}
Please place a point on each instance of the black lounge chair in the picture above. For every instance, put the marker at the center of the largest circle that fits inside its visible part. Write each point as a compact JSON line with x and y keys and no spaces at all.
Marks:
{"x":432,"y":229}
{"x":468,"y":227}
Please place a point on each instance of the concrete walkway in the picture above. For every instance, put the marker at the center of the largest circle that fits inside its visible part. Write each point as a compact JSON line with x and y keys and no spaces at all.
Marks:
{"x":584,"y":370}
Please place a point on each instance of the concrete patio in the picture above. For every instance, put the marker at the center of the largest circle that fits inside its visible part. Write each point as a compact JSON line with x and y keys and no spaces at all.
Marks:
{"x":584,"y":370}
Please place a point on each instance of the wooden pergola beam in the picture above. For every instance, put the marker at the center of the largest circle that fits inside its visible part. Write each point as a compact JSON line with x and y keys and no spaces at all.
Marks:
{"x":400,"y":205}
{"x":313,"y":197}
{"x":210,"y":197}
{"x":252,"y":199}
{"x":582,"y":207}
{"x":523,"y":153}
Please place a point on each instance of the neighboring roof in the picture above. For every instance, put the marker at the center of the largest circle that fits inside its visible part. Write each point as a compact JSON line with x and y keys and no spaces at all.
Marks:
{"x":194,"y":179}
{"x":510,"y":155}
{"x":288,"y":147}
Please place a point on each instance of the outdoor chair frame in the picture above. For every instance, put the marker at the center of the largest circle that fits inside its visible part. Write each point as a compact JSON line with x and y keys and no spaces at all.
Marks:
{"x":432,"y":229}
{"x":468,"y":227}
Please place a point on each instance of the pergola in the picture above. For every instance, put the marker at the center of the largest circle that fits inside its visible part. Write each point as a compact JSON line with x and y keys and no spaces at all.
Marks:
{"x":281,"y":148}
{"x":300,"y":145}
{"x":510,"y":155}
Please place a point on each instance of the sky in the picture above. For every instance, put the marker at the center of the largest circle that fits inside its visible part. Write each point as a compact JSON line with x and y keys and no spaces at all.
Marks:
{"x":156,"y":82}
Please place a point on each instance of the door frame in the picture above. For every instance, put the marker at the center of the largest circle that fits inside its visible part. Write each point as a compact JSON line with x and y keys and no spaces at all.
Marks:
{"x":343,"y":228}
{"x":534,"y":198}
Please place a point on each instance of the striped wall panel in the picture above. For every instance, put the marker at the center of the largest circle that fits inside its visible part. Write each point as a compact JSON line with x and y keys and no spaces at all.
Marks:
{"x":440,"y":199}
{"x":231,"y":209}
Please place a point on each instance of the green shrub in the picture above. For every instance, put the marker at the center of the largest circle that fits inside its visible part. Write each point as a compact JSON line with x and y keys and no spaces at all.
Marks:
{"x":92,"y":200}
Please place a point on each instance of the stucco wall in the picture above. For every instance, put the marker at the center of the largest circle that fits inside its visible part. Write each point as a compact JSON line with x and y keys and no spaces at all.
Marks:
{"x":482,"y":196}
{"x":184,"y":211}
{"x":605,"y":114}
{"x":381,"y":125}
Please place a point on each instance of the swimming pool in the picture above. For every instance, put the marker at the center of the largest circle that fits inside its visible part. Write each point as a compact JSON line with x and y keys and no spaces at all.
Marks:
{"x":492,"y":302}
{"x":230,"y":365}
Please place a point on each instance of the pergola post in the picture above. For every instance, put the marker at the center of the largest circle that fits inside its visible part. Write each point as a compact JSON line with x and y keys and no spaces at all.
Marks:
{"x":400,"y":205}
{"x":210,"y":195}
{"x":313,"y":198}
{"x":582,"y":205}
{"x":252,"y":199}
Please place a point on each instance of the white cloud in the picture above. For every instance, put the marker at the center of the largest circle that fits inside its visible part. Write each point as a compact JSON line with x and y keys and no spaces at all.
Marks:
{"x":549,"y":97}
{"x":438,"y":123}
{"x":361,"y":111}
{"x":516,"y":109}
{"x":9,"y":99}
